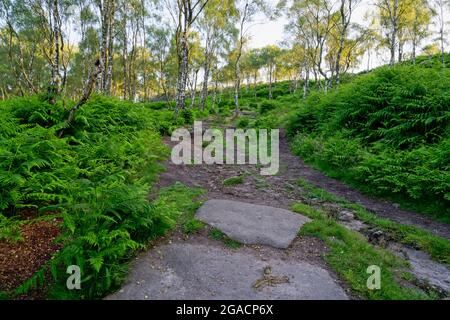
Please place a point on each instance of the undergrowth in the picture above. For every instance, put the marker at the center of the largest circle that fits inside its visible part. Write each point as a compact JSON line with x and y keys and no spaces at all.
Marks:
{"x":216,"y":234}
{"x":96,"y":177}
{"x":350,"y":255}
{"x":385,"y":133}
{"x":437,"y":247}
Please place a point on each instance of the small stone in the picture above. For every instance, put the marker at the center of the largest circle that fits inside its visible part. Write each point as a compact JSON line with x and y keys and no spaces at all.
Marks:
{"x":346,"y":216}
{"x":377,"y":237}
{"x":332,"y":210}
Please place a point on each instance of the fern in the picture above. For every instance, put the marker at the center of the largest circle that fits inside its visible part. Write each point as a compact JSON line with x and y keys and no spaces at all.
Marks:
{"x":386,"y":131}
{"x":96,"y":178}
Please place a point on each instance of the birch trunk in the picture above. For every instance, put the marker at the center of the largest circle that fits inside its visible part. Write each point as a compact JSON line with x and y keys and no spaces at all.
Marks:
{"x":441,"y":31}
{"x":55,"y":75}
{"x":345,"y":21}
{"x":204,"y":94}
{"x":110,"y":48}
{"x":306,"y":84}
{"x":255,"y":78}
{"x":125,"y":55}
{"x":194,"y":89}
{"x":104,"y":6}
{"x":182,"y":72}
{"x":270,"y":81}
{"x":237,"y":87}
{"x":393,"y":40}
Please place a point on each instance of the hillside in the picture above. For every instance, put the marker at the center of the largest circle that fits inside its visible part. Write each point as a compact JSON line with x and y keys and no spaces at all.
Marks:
{"x":385,"y":132}
{"x":82,"y":191}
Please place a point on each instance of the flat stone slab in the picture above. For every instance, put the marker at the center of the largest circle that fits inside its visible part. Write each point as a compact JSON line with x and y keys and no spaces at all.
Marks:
{"x":184,"y":271}
{"x":251,"y":223}
{"x":424,"y":268}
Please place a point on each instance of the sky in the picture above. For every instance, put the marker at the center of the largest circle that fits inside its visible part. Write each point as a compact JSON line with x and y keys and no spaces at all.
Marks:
{"x":269,"y":32}
{"x":266,"y":32}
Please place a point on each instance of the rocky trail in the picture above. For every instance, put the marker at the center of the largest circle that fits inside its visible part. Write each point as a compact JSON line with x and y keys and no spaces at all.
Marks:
{"x":273,"y":260}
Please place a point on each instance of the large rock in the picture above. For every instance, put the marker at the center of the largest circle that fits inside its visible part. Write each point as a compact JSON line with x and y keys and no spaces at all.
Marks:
{"x":436,"y":274}
{"x":251,"y":223}
{"x":185,"y":271}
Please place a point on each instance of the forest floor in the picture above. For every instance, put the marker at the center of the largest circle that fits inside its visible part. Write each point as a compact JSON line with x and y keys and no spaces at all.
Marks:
{"x":19,"y":261}
{"x":208,"y":265}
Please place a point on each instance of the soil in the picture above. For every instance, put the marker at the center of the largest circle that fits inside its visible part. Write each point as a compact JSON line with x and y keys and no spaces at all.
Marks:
{"x":19,"y":261}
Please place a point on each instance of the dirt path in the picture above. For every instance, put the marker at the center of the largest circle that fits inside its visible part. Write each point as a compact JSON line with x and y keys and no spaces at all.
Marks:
{"x":282,"y":189}
{"x":384,"y":209}
{"x":198,"y":267}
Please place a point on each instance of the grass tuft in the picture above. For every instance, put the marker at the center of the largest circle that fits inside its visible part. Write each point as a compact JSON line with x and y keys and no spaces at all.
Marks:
{"x":437,"y":247}
{"x":350,"y":255}
{"x":216,"y":234}
{"x":233,"y":181}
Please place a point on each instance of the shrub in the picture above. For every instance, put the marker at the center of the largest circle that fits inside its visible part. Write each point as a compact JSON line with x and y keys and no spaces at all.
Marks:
{"x":266,"y":122}
{"x":278,"y":92}
{"x":304,"y":120}
{"x":242,"y":122}
{"x":386,"y":131}
{"x":187,"y":116}
{"x":224,"y":103}
{"x":266,"y":106}
{"x":97,"y":178}
{"x":403,"y":106}
{"x":253,"y":105}
{"x":408,"y":172}
{"x":262,"y":92}
{"x":157,"y":105}
{"x":35,"y":110}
